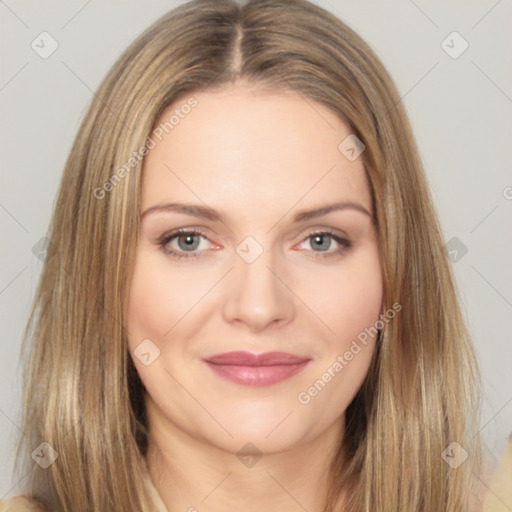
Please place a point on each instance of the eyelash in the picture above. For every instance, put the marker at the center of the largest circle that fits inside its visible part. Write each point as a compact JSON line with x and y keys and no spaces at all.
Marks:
{"x":166,"y":238}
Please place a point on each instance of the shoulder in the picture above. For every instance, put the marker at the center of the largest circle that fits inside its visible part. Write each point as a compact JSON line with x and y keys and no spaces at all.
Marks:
{"x":499,"y":497}
{"x":21,"y":503}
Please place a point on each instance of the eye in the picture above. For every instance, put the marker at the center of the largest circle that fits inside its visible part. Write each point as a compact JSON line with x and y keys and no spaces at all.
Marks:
{"x":323,"y":241}
{"x":187,"y":243}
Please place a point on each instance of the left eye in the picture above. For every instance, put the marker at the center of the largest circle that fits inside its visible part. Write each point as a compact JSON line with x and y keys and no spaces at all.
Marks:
{"x":323,"y":241}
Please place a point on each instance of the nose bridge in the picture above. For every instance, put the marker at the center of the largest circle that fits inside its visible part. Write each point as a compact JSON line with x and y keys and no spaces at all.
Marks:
{"x":255,"y":294}
{"x":253,"y":269}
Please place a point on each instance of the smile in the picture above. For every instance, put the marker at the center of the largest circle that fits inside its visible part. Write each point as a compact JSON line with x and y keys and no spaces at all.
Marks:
{"x":256,"y":370}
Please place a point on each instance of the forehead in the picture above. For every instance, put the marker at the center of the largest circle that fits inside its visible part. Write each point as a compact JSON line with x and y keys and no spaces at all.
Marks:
{"x":241,"y":148}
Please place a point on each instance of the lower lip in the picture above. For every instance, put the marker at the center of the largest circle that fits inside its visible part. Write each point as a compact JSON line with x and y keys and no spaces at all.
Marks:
{"x":257,"y":375}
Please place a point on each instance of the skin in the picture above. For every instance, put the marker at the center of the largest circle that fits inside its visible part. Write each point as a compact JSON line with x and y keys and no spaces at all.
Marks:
{"x":258,"y":159}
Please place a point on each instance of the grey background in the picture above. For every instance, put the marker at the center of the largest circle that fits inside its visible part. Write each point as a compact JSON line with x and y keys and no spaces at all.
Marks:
{"x":460,"y":109}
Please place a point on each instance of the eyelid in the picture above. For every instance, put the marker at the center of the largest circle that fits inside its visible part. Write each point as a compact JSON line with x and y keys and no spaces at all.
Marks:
{"x":182,"y":231}
{"x":312,"y":230}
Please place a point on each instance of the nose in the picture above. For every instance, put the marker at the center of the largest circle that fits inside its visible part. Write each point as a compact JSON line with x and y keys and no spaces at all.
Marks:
{"x":257,"y":295}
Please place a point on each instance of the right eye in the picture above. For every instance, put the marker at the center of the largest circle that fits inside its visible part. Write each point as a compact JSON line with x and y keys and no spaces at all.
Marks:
{"x":187,"y":243}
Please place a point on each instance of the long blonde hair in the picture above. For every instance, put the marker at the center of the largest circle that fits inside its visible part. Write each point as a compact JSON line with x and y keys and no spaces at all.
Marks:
{"x":82,"y":394}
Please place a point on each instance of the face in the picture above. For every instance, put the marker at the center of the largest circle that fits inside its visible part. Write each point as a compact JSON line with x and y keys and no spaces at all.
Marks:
{"x":241,"y":266}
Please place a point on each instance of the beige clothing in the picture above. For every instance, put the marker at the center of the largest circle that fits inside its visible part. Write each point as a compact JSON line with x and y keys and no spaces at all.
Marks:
{"x":152,"y":493}
{"x":498,"y":498}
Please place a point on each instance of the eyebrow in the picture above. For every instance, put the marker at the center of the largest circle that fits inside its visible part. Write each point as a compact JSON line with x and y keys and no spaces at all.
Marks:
{"x":206,"y":212}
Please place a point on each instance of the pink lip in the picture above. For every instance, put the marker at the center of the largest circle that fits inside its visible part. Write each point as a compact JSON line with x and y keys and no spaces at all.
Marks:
{"x":256,"y":369}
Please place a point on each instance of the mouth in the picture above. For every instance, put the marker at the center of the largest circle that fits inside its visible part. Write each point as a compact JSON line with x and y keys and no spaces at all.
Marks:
{"x":256,"y":369}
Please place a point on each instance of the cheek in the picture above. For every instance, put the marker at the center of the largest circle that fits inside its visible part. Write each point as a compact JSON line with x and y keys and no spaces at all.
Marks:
{"x":346,"y":298}
{"x":350,"y":305}
{"x":159,"y":297}
{"x":349,"y":299}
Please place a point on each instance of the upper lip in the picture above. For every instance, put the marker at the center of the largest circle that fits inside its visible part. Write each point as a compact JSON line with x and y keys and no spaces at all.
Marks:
{"x":247,"y":359}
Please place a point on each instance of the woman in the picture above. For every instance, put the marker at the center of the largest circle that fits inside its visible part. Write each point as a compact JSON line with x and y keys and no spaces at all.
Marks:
{"x":246,"y":301}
